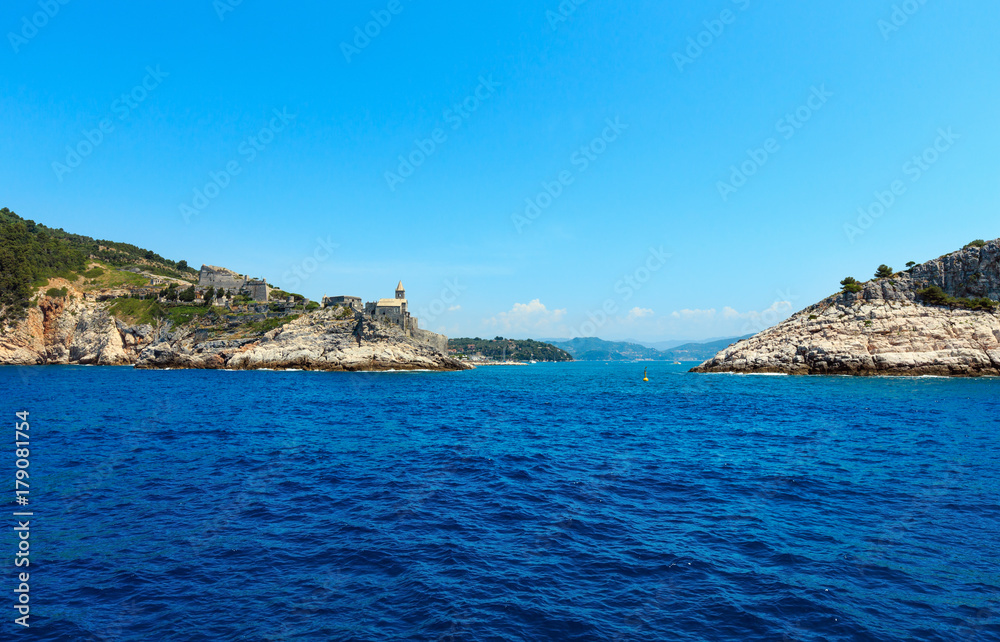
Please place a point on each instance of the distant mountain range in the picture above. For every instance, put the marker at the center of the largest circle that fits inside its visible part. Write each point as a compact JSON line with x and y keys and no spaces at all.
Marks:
{"x":594,"y":349}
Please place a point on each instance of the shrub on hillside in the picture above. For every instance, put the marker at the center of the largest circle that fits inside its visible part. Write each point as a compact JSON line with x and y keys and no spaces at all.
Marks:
{"x":57,"y":293}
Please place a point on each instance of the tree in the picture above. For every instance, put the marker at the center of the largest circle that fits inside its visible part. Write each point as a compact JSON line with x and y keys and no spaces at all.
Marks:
{"x":171,"y":293}
{"x":934,"y":295}
{"x":884,"y":272}
{"x":850,"y":284}
{"x":976,"y":243}
{"x":187,"y":295}
{"x":182,"y":265}
{"x":209,"y":295}
{"x":220,"y":293}
{"x":911,"y":264}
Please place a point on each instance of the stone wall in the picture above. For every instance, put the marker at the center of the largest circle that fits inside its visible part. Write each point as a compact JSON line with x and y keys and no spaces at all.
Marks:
{"x":211,"y":276}
{"x":438,"y":341}
{"x":257,"y":290}
{"x":352,"y":301}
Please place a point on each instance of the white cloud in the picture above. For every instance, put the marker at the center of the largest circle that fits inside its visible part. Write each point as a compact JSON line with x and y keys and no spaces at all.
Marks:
{"x":454,"y":308}
{"x":639,"y":313}
{"x":527,"y":317}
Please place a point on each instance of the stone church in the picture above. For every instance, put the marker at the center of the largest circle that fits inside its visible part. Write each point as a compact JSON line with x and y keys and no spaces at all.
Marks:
{"x":394,"y":312}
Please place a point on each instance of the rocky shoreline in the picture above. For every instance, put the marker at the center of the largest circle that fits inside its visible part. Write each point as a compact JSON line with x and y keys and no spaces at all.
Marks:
{"x":69,"y":330}
{"x":887,"y":328}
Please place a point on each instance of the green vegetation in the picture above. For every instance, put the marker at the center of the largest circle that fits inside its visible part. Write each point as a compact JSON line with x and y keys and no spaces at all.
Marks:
{"x":31,"y":253}
{"x":976,"y":243}
{"x":282,"y":295}
{"x":57,"y":293}
{"x":188,"y":295}
{"x":183,"y":314}
{"x":883,"y":272}
{"x":94,"y":273}
{"x":137,"y":310}
{"x":934,"y":295}
{"x":270,"y":324}
{"x":850,"y":284}
{"x":910,"y":264}
{"x":515,"y":350}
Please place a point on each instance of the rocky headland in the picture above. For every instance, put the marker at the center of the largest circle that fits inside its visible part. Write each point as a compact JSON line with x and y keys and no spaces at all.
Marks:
{"x":72,"y":329}
{"x":937,"y":318}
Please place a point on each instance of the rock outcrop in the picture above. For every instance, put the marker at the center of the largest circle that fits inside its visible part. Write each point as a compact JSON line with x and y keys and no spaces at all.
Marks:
{"x":71,"y":330}
{"x":887,"y":328}
{"x":316,"y":341}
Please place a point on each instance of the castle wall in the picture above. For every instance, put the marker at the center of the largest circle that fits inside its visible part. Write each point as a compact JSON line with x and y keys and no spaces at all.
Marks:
{"x":257,"y":290}
{"x":353,"y":301}
{"x":228,"y":280}
{"x":432,"y":339}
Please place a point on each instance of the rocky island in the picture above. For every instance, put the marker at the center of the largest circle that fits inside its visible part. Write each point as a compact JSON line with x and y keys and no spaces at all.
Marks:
{"x":938,"y":318}
{"x":68,"y":299}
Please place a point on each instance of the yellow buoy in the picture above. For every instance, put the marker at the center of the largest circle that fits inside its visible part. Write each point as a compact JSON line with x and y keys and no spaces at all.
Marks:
{"x":645,"y":377}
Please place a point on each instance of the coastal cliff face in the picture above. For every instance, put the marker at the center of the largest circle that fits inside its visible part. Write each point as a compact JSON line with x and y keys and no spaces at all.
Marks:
{"x":886,"y":329}
{"x":70,"y":330}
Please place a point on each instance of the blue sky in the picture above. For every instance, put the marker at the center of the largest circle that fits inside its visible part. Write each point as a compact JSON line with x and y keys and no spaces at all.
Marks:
{"x":641,"y":170}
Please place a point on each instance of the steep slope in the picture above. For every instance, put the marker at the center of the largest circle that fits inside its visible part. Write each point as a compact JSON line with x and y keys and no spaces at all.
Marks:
{"x":892,"y":326}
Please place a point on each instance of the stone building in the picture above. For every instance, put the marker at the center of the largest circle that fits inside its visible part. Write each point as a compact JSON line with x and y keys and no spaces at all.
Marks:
{"x":232,"y":282}
{"x":396,"y":312}
{"x":351,"y":301}
{"x":392,"y":311}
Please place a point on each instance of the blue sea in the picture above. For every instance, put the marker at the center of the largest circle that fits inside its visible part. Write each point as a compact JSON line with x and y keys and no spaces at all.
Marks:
{"x":544,"y":502}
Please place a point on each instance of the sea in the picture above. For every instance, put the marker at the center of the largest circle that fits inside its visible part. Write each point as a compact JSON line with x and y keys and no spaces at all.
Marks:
{"x":543,"y":502}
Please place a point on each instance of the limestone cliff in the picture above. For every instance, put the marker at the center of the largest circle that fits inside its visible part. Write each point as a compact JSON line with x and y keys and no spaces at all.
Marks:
{"x":887,"y":328}
{"x":72,"y":330}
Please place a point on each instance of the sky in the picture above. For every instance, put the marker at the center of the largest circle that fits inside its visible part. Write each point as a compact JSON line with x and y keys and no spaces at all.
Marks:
{"x":630,"y":170}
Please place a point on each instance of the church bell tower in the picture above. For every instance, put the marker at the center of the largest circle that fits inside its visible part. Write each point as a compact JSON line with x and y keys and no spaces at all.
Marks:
{"x":400,"y":291}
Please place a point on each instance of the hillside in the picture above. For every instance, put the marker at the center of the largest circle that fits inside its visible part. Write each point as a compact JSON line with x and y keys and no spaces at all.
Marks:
{"x":32,"y":253}
{"x":936,"y":318}
{"x":594,"y":349}
{"x":511,"y":349}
